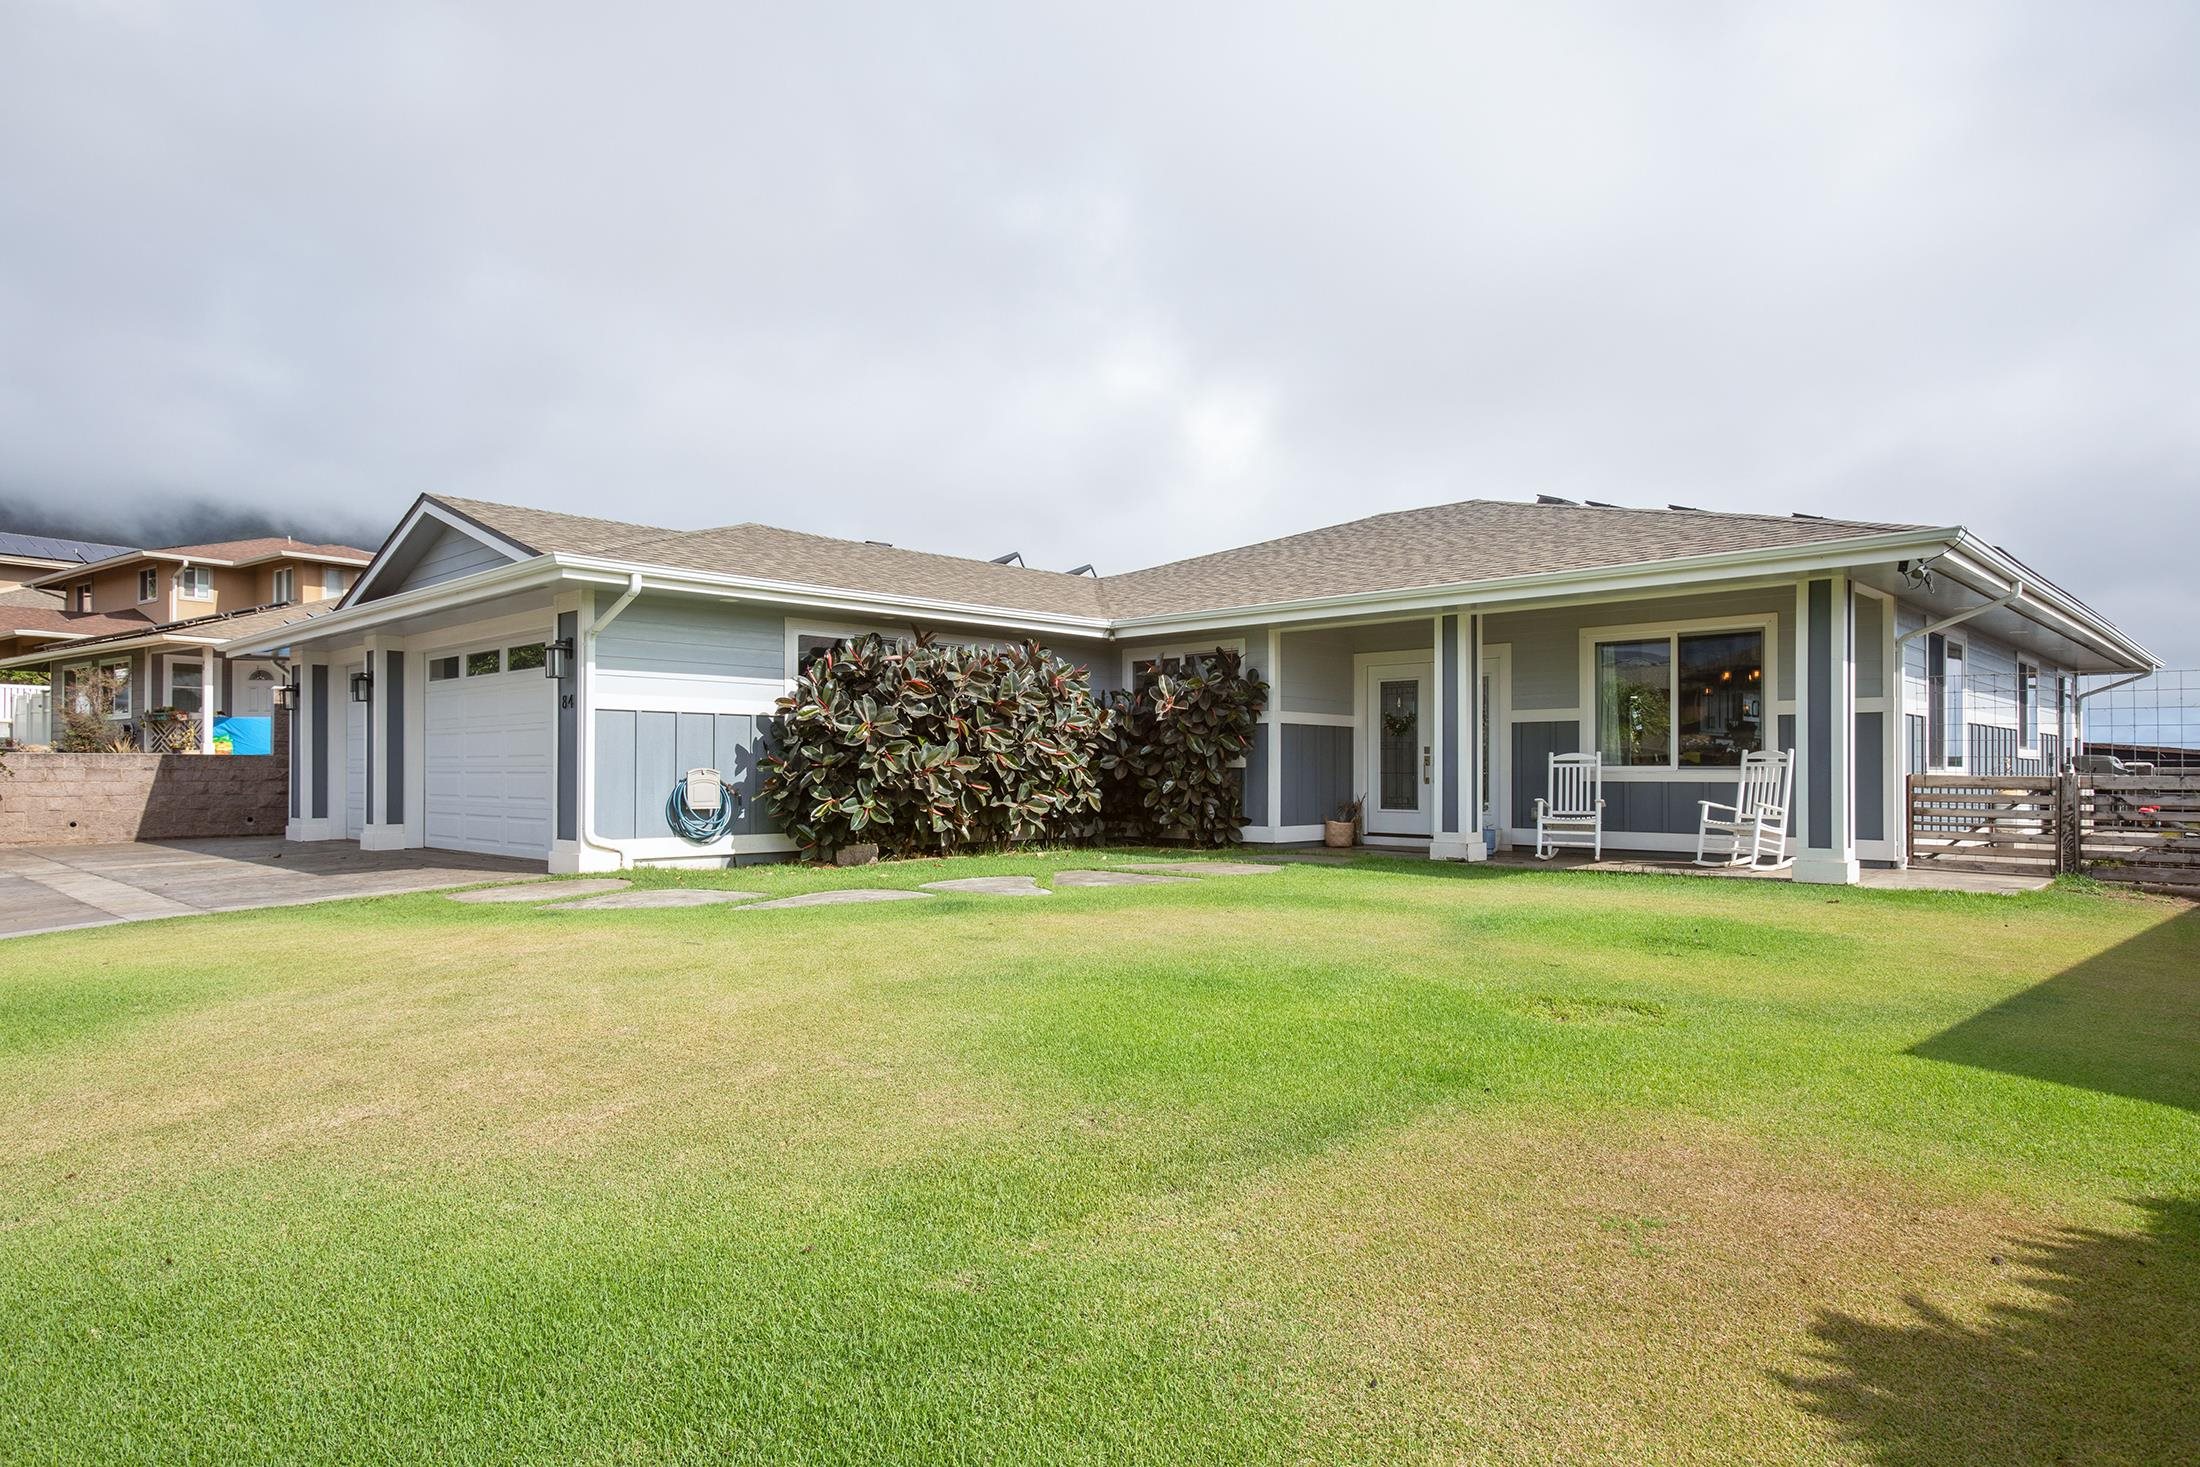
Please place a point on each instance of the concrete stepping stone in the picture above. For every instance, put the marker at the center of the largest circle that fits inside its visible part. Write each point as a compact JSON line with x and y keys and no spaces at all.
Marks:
{"x":540,"y":891}
{"x":991,"y":886}
{"x":638,"y":901}
{"x":1206,"y":868}
{"x":1116,"y":878}
{"x":847,"y":896}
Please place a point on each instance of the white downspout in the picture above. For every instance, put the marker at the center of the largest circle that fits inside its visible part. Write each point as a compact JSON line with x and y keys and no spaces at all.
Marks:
{"x":584,"y":678}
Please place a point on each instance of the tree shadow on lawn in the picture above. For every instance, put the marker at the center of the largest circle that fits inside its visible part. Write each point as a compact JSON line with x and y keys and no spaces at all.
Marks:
{"x":2102,"y":1365}
{"x":2123,"y":1022}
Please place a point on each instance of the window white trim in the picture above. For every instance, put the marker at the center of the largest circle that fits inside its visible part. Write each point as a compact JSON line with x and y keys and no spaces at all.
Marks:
{"x":1161,"y":652}
{"x":148,"y":585}
{"x":283,"y":585}
{"x":2028,"y":700}
{"x":194,"y":583}
{"x":1955,"y":719}
{"x":1766,"y":626}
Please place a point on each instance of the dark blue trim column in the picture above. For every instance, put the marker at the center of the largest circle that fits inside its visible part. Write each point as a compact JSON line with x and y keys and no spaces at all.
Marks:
{"x":1825,"y":731}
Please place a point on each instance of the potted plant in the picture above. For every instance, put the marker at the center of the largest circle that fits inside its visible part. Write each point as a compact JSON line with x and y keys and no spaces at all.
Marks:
{"x":1344,"y":830}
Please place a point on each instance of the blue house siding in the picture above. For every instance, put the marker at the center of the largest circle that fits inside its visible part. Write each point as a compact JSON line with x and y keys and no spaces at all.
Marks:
{"x":449,"y":555}
{"x":1256,"y":775}
{"x":640,"y":756}
{"x":680,"y":637}
{"x":1317,"y":771}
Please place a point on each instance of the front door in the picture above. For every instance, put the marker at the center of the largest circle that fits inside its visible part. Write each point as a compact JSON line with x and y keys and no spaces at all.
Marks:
{"x":1401,"y":764}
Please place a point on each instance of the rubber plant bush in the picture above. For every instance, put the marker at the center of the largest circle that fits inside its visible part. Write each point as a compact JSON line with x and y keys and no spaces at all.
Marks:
{"x":1172,"y":764}
{"x":926,"y":747}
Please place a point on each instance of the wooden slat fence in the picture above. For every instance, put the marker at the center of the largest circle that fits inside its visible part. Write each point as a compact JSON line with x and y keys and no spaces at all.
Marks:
{"x":2008,"y":823}
{"x":2143,"y":829}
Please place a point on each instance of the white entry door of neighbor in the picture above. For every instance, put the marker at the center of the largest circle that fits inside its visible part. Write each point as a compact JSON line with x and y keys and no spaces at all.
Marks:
{"x":491,"y":760}
{"x":355,"y":756}
{"x":256,"y":694}
{"x":1401,"y":749}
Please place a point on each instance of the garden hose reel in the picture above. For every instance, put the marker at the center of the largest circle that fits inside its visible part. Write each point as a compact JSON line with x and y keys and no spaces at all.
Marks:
{"x":701,"y":806}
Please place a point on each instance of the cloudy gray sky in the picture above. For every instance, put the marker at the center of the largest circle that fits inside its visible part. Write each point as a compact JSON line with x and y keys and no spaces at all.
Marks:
{"x":1115,"y":283}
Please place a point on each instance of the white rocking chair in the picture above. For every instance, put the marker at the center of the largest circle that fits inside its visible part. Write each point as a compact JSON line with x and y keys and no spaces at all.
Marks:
{"x":1573,"y":812}
{"x":1755,"y":825}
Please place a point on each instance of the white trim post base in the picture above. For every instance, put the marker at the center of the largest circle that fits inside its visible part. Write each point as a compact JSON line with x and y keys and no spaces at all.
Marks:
{"x":307,"y":829}
{"x":382,"y":838}
{"x":1818,"y":868}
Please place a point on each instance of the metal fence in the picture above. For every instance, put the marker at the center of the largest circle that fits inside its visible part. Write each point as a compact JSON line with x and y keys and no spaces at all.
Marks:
{"x":2153,"y":720}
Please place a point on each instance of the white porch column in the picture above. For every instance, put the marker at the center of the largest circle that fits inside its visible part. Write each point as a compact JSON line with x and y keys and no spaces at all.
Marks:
{"x":1825,"y":728}
{"x":385,"y":663}
{"x":1458,"y":826}
{"x":207,"y":700}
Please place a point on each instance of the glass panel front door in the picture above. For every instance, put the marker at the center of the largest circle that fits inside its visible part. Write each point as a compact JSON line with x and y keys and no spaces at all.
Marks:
{"x":1399,"y":740}
{"x":1398,"y":747}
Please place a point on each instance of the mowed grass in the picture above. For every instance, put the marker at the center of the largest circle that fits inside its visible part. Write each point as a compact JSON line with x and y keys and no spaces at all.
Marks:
{"x":1385,"y":1163}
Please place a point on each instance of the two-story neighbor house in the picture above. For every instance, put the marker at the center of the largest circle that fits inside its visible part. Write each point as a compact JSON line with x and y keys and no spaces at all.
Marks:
{"x":157,"y":628}
{"x":517,"y":681}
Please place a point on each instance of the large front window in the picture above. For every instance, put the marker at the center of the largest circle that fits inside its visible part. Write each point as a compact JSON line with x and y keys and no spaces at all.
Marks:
{"x":1680,"y":700}
{"x":1635,"y":701}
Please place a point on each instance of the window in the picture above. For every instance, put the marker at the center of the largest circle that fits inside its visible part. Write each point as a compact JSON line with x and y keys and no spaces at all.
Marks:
{"x":527,"y":657}
{"x":102,"y":688}
{"x":84,"y":596}
{"x":332,"y":580}
{"x":148,"y":584}
{"x":2028,"y":707}
{"x":1635,"y":701}
{"x":1680,"y":700}
{"x":483,"y":664}
{"x":285,"y":586}
{"x":1944,"y":705}
{"x":442,"y":669}
{"x":186,"y":687}
{"x":195,"y":583}
{"x":1178,"y":660}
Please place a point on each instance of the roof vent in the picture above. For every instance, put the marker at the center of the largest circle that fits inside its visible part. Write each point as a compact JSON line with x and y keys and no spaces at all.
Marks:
{"x":1084,"y":570}
{"x":1799,"y":515}
{"x":881,"y":544}
{"x":1690,"y":508}
{"x":1014,"y":557}
{"x":1554,"y":499}
{"x":1600,"y":504}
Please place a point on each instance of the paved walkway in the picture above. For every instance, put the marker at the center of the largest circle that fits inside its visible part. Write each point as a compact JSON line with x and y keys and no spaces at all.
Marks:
{"x":55,"y":888}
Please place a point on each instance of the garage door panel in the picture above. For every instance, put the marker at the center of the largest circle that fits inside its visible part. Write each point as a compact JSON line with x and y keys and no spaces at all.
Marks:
{"x":491,"y":754}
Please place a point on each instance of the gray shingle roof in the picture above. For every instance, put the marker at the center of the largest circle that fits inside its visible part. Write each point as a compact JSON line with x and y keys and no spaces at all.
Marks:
{"x":1449,"y":544}
{"x":1443,"y":545}
{"x":546,"y":532}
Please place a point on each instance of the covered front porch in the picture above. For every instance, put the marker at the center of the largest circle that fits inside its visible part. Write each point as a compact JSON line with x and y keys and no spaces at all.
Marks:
{"x":1441,"y":724}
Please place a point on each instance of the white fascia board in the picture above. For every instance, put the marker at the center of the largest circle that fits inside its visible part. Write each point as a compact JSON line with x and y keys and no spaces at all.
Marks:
{"x":2057,"y":610}
{"x":1641,"y":575}
{"x":796,"y":593}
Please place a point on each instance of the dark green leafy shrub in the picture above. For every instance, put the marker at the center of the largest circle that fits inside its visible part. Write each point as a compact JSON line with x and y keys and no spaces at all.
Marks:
{"x":929,"y":747}
{"x":1171,"y":758}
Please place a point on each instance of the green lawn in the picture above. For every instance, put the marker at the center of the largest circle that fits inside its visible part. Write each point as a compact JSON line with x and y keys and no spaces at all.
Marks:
{"x":1375,"y":1164}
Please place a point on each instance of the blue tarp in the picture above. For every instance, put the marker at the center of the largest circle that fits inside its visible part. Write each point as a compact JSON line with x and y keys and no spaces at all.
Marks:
{"x":246,"y":735}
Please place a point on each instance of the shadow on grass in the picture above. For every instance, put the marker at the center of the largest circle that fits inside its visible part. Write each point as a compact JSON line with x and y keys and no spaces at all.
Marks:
{"x":2098,"y":1366}
{"x":2123,"y":1022}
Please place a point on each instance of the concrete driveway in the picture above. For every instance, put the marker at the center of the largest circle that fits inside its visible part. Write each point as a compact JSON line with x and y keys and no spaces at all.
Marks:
{"x":55,"y":888}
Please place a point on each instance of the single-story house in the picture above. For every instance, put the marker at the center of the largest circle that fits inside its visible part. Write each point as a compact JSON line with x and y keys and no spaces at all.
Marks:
{"x":157,"y":632}
{"x":511,"y":680}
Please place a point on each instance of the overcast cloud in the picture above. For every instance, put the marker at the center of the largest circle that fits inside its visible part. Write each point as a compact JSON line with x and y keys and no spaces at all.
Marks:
{"x":1117,"y":285}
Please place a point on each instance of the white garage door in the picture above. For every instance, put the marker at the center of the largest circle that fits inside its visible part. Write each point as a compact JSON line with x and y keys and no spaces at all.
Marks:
{"x":491,"y":759}
{"x":355,"y":756}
